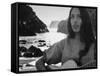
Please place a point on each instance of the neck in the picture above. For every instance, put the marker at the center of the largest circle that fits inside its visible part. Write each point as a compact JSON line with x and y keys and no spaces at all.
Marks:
{"x":77,"y":36}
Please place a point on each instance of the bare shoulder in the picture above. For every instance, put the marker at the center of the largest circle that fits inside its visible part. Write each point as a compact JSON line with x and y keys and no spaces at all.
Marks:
{"x":61,"y":43}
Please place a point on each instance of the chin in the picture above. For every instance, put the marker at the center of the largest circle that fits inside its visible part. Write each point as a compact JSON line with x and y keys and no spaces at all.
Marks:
{"x":76,"y":30}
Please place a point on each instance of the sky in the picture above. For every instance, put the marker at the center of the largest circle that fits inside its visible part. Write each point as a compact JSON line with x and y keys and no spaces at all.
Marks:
{"x":51,"y":13}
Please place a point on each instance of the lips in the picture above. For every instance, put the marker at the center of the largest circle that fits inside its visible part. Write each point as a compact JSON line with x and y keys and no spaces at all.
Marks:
{"x":75,"y":26}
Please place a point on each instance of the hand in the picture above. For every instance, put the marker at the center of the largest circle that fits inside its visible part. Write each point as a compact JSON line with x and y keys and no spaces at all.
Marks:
{"x":69,"y":64}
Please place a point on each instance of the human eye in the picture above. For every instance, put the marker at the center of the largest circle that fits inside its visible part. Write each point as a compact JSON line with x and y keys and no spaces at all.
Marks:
{"x":72,"y":16}
{"x":79,"y":16}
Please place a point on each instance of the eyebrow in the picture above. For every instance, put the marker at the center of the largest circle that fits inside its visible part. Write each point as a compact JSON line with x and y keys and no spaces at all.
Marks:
{"x":76,"y":14}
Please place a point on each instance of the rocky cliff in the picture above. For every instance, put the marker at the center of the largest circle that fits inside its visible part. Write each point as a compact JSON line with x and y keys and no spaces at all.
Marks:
{"x":28,"y":22}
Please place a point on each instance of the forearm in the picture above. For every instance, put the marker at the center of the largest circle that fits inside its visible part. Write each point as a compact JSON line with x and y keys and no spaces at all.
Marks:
{"x":40,"y":64}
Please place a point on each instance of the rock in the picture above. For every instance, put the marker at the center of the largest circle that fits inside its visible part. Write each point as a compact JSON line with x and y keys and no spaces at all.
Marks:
{"x":22,"y":41}
{"x":62,"y":27}
{"x":31,"y":52}
{"x":41,"y":41}
{"x":29,"y":23}
{"x":22,"y":50}
{"x":37,"y":52}
{"x":28,"y":54}
{"x":54,"y":24}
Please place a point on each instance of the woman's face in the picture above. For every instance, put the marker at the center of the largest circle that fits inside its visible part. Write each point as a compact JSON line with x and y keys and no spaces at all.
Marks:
{"x":75,"y":20}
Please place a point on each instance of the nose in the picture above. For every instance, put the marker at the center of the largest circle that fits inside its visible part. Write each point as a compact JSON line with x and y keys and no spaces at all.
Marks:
{"x":75,"y":20}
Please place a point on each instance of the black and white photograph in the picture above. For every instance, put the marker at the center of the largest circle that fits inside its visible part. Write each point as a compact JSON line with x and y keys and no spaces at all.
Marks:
{"x":55,"y":37}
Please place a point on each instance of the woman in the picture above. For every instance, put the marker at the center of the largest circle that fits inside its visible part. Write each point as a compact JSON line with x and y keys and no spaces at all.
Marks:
{"x":77,"y":49}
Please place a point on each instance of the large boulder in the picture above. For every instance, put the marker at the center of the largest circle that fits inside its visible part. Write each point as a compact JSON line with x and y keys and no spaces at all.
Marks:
{"x":37,"y":52}
{"x":33,"y":52}
{"x":54,"y":24}
{"x":28,"y":22}
{"x":28,"y":54}
{"x":22,"y":50}
{"x":62,"y":27}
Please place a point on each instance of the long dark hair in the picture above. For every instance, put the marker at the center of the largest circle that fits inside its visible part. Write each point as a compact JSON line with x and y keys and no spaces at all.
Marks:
{"x":86,"y":32}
